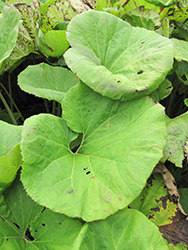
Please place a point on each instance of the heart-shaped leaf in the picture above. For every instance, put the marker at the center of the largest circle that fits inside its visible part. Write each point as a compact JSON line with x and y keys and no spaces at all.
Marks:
{"x":121,"y":142}
{"x":48,"y":82}
{"x":116,"y":59}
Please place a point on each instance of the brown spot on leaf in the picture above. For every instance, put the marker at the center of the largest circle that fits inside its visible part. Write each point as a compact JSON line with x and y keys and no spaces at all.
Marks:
{"x":32,"y":129}
{"x":48,"y":47}
{"x":70,"y":191}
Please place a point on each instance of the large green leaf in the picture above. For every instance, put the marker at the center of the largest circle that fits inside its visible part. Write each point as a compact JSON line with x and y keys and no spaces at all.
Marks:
{"x":127,"y":229}
{"x":10,"y":157}
{"x":25,"y":226}
{"x":116,"y":59}
{"x":48,"y":82}
{"x":177,"y":131}
{"x":120,"y":144}
{"x":9,"y":26}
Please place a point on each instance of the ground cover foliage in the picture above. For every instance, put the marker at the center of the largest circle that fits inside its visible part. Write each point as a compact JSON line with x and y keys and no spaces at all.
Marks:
{"x":94,"y":124}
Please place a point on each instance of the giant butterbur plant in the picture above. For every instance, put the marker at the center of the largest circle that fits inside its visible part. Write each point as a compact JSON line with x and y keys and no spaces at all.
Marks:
{"x":94,"y":160}
{"x":103,"y":174}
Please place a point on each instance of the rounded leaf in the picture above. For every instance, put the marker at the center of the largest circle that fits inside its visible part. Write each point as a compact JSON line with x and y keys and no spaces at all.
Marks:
{"x":120,"y":145}
{"x":116,"y":59}
{"x":47,"y":81}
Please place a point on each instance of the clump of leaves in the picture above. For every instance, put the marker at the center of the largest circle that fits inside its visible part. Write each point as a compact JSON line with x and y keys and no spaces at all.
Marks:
{"x":97,"y":157}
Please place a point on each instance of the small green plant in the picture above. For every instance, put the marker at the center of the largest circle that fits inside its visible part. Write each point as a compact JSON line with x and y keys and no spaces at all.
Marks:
{"x":81,"y":168}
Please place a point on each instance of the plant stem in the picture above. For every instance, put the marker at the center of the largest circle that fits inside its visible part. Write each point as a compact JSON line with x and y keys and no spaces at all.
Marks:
{"x":8,"y":109}
{"x":59,"y":111}
{"x":16,"y":107}
{"x":10,"y":92}
{"x":53,"y":107}
{"x":46,"y":106}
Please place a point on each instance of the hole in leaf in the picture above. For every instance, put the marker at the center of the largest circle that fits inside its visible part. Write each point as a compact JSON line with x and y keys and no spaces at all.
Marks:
{"x":140,"y":72}
{"x":75,"y":144}
{"x":43,"y":210}
{"x":142,"y":43}
{"x":118,"y":81}
{"x":85,"y":168}
{"x":60,"y":223}
{"x":28,"y":235}
{"x":43,"y":224}
{"x":7,"y":239}
{"x":88,"y":172}
{"x":16,"y":225}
